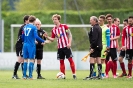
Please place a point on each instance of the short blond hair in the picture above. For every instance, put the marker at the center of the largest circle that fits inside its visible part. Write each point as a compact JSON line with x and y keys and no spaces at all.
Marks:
{"x":102,"y":16}
{"x":56,"y":15}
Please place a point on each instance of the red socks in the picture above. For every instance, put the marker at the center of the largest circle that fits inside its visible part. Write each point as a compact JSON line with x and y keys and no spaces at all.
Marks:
{"x":107,"y":67}
{"x":114,"y":67}
{"x":111,"y":65}
{"x":62,"y":66}
{"x":72,"y":65}
{"x":123,"y":67}
{"x":129,"y":69}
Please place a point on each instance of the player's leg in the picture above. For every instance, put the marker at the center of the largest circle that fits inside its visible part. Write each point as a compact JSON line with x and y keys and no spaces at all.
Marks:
{"x":95,"y":69}
{"x":19,"y":60}
{"x":25,"y":56}
{"x":107,"y":65}
{"x":114,"y":60}
{"x":122,"y":65}
{"x":103,"y":60}
{"x":132,"y":62}
{"x":31,"y":68}
{"x":39,"y":57}
{"x":103,"y":67}
{"x":99,"y":65}
{"x":31,"y":51}
{"x":129,"y":58}
{"x":16,"y":66}
{"x":110,"y":64}
{"x":92,"y":61}
{"x":25,"y":64}
{"x":61,"y":57}
{"x":69,"y":56}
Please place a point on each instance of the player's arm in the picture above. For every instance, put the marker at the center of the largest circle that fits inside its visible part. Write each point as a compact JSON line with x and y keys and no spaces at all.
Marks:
{"x":117,"y":35}
{"x":69,"y":34}
{"x":22,"y":36}
{"x":123,"y":39}
{"x":115,"y":38}
{"x":46,"y":40}
{"x":50,"y":38}
{"x":94,"y":38}
{"x":20,"y":31}
{"x":37,"y":37}
{"x":108,"y":38}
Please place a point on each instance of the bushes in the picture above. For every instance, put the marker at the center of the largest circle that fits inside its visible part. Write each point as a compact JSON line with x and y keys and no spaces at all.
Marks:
{"x":80,"y":39}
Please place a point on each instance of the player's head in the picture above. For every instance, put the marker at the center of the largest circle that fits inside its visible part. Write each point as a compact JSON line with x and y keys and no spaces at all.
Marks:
{"x":101,"y":20}
{"x":25,"y":18}
{"x":32,"y":19}
{"x":109,"y":18}
{"x":38,"y":23}
{"x":93,"y":20}
{"x":130,"y":20}
{"x":116,"y":21}
{"x":125,"y":22}
{"x":56,"y":19}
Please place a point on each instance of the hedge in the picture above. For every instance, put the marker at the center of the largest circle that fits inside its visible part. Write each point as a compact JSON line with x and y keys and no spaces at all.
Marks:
{"x":80,"y":39}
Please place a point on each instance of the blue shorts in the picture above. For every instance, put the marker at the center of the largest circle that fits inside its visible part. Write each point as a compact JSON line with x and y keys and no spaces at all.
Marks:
{"x":29,"y":51}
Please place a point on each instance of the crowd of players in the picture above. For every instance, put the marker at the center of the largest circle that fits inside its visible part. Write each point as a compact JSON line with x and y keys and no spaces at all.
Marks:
{"x":103,"y":38}
{"x":30,"y":46}
{"x":104,"y":50}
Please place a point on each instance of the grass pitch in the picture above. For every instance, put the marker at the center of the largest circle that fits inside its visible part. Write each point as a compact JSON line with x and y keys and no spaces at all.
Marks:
{"x":6,"y":81}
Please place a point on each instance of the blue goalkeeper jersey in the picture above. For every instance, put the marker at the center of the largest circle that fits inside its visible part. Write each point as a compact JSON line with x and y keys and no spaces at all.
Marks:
{"x":30,"y":34}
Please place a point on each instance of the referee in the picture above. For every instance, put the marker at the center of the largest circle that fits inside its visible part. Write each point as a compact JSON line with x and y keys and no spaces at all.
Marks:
{"x":18,"y":46}
{"x":39,"y":48}
{"x":95,"y":37}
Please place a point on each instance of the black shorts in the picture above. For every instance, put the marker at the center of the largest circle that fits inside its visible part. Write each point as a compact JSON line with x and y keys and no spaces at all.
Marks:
{"x":112,"y":53}
{"x":96,"y":53}
{"x":64,"y":53}
{"x":19,"y":47}
{"x":129,"y":54}
{"x":122,"y":54}
{"x":39,"y":54}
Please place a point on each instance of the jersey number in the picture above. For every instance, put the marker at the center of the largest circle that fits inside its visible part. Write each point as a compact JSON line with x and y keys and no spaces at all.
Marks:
{"x":27,"y":31}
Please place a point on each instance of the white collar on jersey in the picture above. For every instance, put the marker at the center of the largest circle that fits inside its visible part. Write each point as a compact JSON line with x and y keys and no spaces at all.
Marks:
{"x":31,"y":23}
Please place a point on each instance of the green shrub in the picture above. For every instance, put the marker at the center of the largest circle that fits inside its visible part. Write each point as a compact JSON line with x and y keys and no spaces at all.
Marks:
{"x":80,"y":38}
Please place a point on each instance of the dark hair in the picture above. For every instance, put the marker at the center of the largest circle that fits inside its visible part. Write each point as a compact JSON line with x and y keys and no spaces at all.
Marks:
{"x":26,"y":17}
{"x":109,"y":15}
{"x":32,"y":18}
{"x":125,"y":20}
{"x":130,"y":17}
{"x":115,"y":19}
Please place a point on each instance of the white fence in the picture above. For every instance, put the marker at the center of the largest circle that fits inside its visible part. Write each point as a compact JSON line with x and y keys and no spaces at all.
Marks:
{"x":43,"y":25}
{"x":46,"y":26}
{"x":49,"y":62}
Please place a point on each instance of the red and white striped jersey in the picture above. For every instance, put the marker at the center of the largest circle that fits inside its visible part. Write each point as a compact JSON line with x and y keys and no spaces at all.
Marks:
{"x":127,"y":37}
{"x":114,"y":31}
{"x":61,"y":35}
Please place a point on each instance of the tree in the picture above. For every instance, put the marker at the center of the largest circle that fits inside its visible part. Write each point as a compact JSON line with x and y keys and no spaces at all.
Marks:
{"x":83,"y":5}
{"x":5,"y":5}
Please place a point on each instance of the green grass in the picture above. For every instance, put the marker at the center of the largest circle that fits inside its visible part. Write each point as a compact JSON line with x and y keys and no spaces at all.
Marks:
{"x":69,"y":82}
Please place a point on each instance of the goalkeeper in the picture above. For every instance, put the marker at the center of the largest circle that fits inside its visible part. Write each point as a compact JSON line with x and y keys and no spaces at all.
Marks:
{"x":105,"y":41}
